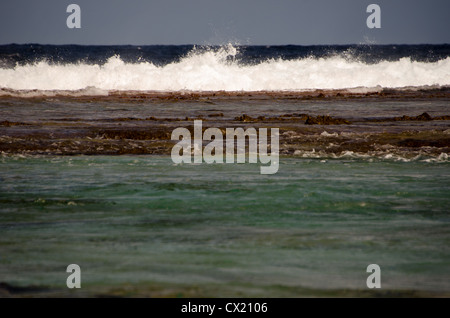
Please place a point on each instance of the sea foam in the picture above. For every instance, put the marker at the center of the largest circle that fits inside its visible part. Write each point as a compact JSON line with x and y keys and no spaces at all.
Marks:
{"x":220,"y":70}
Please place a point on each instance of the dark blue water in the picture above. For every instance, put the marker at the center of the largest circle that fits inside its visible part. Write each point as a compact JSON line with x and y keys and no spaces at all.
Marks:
{"x":160,"y":55}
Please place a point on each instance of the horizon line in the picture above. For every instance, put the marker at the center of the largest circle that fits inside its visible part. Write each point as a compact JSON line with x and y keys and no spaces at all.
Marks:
{"x":234,"y":44}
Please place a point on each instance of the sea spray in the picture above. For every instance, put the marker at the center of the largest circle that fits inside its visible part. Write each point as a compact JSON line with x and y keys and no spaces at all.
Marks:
{"x":221,"y":70}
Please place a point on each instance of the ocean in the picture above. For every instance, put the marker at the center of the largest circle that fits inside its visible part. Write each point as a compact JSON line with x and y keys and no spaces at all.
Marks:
{"x":87,"y":176}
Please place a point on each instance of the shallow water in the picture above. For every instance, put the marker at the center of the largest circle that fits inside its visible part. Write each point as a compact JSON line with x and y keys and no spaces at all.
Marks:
{"x":140,"y":225}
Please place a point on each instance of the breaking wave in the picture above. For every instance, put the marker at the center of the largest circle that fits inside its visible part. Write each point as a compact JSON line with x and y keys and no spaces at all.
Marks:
{"x":221,"y":70}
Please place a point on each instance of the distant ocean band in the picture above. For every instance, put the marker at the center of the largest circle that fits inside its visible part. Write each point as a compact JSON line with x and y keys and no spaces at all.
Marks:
{"x":228,"y":68}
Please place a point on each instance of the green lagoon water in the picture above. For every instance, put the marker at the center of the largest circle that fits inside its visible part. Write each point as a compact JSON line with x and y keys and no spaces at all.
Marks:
{"x":142,"y":226}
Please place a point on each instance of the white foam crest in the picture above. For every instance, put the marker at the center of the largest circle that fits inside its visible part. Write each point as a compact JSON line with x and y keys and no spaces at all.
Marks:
{"x":214,"y":70}
{"x":88,"y":91}
{"x":327,"y":134}
{"x":443,"y":157}
{"x":379,"y":155}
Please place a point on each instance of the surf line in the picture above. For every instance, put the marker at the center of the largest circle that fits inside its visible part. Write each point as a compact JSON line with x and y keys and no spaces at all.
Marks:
{"x":213,"y":152}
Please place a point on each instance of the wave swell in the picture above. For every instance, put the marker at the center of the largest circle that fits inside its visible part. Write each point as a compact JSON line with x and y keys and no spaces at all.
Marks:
{"x":220,"y":70}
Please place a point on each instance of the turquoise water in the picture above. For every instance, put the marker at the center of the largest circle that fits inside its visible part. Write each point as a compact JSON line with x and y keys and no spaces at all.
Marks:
{"x":140,"y":225}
